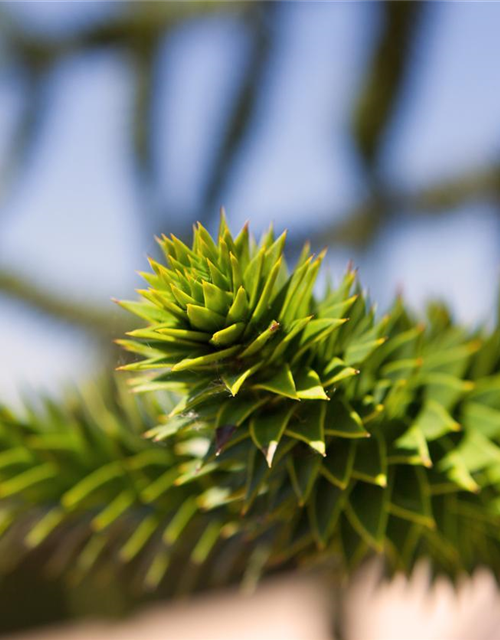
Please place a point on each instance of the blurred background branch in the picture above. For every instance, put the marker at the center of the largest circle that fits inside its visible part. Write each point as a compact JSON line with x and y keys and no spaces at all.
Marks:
{"x":100,"y":322}
{"x":358,"y":227}
{"x":383,"y":82}
{"x":261,"y":28}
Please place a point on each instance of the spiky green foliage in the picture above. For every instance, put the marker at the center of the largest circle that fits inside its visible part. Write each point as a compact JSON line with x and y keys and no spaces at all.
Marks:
{"x":316,"y":432}
{"x":81,"y":489}
{"x":340,"y":432}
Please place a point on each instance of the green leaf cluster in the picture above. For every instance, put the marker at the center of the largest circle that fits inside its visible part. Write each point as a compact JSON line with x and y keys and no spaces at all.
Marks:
{"x":345,"y":433}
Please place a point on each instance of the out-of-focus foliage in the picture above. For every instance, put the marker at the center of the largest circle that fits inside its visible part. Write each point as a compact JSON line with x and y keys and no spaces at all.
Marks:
{"x":86,"y":500}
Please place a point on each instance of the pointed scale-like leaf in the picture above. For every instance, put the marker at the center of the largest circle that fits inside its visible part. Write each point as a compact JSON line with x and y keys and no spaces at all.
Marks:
{"x":281,"y":383}
{"x":410,"y":497}
{"x":315,"y":332}
{"x":229,"y":335}
{"x":145,"y":310}
{"x":292,"y":289}
{"x":303,"y":472}
{"x":234,"y":381}
{"x":309,"y":386}
{"x":434,"y":421}
{"x":301,"y":303}
{"x":253,"y":277}
{"x":44,"y":527}
{"x":342,"y":420}
{"x":411,"y":447}
{"x":183,"y":334}
{"x":455,"y":468}
{"x":310,"y":428}
{"x":217,"y":277}
{"x":256,"y":345}
{"x":239,"y":309}
{"x":203,"y":361}
{"x":206,"y":542}
{"x":268,"y":428}
{"x":139,"y":538}
{"x":274,"y":253}
{"x":325,"y":509}
{"x":368,"y":513}
{"x":242,"y":246}
{"x":206,"y":245}
{"x":204,"y":319}
{"x":336,"y":371}
{"x":370,"y":463}
{"x":294,"y":330}
{"x":182,"y":298}
{"x":264,"y":302}
{"x":216,"y":299}
{"x":180,"y":521}
{"x":236,"y":275}
{"x":338,"y":463}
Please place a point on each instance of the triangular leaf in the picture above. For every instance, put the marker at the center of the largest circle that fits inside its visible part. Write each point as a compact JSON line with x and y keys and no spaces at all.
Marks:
{"x":257,"y":475}
{"x":410,"y":495}
{"x":342,"y":420}
{"x":411,"y":448}
{"x":337,"y":466}
{"x":309,"y":385}
{"x":267,"y":428}
{"x":234,"y":381}
{"x":367,"y":512}
{"x":216,"y":299}
{"x":235,"y":411}
{"x":266,"y":296}
{"x":324,"y":511}
{"x":239,"y":310}
{"x":370,"y":464}
{"x":303,"y":473}
{"x":434,"y":421}
{"x":204,"y":319}
{"x":336,"y":371}
{"x":311,"y":427}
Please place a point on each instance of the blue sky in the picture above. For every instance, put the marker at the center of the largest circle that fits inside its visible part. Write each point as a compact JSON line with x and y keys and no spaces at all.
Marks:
{"x":74,"y":220}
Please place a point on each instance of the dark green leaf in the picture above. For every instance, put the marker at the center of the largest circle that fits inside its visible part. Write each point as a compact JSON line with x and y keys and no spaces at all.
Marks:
{"x":367,"y":512}
{"x":311,"y":427}
{"x":342,"y":420}
{"x":267,"y":429}
{"x":281,"y":383}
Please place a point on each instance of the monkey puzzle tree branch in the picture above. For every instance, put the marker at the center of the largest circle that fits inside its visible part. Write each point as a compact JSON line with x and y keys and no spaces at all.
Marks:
{"x":357,"y":228}
{"x":388,"y":68}
{"x":349,"y":433}
{"x":260,"y":24}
